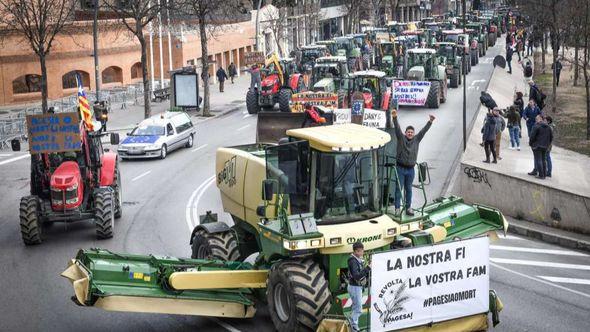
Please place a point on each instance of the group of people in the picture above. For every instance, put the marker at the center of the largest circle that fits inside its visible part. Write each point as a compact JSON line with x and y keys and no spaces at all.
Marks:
{"x":222,"y":75}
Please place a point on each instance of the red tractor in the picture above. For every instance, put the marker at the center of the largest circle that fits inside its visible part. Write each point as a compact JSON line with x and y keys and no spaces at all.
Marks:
{"x":280,"y":80}
{"x":80,"y":184}
{"x":374,"y":87}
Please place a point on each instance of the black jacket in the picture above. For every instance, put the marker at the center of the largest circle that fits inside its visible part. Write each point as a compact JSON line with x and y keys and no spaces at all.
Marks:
{"x":488,"y":130}
{"x":407,"y":149}
{"x":357,"y":271}
{"x":541,"y":136}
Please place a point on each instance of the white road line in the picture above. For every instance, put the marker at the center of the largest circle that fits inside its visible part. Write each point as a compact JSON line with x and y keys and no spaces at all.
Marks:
{"x":540,"y":263}
{"x":477,"y":81}
{"x":243,"y":127}
{"x":7,"y":161}
{"x":538,"y":251}
{"x":511,"y":237}
{"x":140,"y":176}
{"x":224,"y":325}
{"x":190,"y":209}
{"x":199,"y":147}
{"x":540,"y":280}
{"x":195,"y":211}
{"x":567,"y":280}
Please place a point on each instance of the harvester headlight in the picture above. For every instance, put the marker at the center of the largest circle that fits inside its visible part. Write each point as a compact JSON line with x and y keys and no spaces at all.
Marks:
{"x":391,"y":231}
{"x":335,"y":241}
{"x":316,"y":243}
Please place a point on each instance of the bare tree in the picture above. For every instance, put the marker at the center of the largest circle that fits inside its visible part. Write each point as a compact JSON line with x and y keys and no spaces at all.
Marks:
{"x":353,"y":9}
{"x":278,"y":24}
{"x":38,"y":22}
{"x":135,"y":16}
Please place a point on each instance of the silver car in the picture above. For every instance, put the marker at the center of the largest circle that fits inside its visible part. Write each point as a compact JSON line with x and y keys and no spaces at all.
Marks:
{"x":158,"y":135}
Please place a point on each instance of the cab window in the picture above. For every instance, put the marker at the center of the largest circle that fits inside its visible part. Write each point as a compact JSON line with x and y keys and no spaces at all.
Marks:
{"x":169,"y":129}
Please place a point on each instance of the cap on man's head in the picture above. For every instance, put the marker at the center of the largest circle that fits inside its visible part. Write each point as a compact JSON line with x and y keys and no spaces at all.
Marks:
{"x":358,"y":245}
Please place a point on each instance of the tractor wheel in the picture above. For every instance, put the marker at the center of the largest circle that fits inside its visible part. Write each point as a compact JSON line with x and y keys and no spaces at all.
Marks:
{"x":473,"y":55}
{"x":455,"y":78}
{"x":219,"y":246}
{"x":285,"y":100}
{"x":444,"y":88}
{"x":298,"y":295}
{"x":252,"y":102}
{"x":468,"y":67}
{"x":118,"y":192}
{"x":433,"y":99}
{"x":104,"y":214}
{"x":30,"y":223}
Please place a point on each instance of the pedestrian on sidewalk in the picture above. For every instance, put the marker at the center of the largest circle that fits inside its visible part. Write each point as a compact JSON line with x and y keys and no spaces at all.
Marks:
{"x":537,"y":95}
{"x":531,"y":42}
{"x":500,"y":126}
{"x":530,"y":114}
{"x":540,"y":140}
{"x":527,"y":68}
{"x":221,"y":77}
{"x":488,"y":132}
{"x":232,"y":72}
{"x":519,"y":48}
{"x":407,"y":153}
{"x":519,"y":104}
{"x":549,"y":121}
{"x":513,"y":117}
{"x":556,"y":70}
{"x":255,"y":79}
{"x":509,"y":52}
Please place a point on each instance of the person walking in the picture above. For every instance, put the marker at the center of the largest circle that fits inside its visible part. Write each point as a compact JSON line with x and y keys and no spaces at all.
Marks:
{"x":488,"y":132}
{"x":531,"y":42}
{"x":551,"y":125}
{"x":232,"y":71}
{"x":500,"y":126}
{"x":530,"y":114}
{"x":221,"y":77}
{"x":537,"y":95}
{"x":556,"y":70}
{"x":540,"y":140}
{"x":513,"y":125}
{"x":407,"y":153}
{"x":509,"y":52}
{"x":519,"y":103}
{"x":358,"y":275}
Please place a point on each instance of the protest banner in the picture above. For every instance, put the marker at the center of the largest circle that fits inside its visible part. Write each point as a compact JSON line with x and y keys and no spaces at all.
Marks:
{"x":342,"y":116}
{"x":251,"y":58}
{"x":429,"y":284}
{"x":412,"y":93}
{"x":326,"y":99}
{"x":373,"y":118}
{"x":54,"y":132}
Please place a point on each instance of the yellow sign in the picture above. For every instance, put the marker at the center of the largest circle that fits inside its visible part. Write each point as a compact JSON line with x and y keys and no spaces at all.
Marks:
{"x":326,"y":99}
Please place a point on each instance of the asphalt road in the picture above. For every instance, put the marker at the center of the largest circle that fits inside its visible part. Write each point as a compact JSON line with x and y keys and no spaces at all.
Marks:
{"x":543,"y":287}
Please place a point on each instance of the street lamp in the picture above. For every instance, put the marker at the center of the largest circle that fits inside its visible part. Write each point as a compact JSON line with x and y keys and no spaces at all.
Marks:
{"x":464,"y":82}
{"x":95,"y":41}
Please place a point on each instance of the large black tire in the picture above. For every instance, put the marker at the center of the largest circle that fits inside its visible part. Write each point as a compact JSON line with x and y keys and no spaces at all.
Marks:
{"x":455,"y":78}
{"x":252,"y":102}
{"x":118,"y":192}
{"x":433,"y":99}
{"x":163,"y":151}
{"x":30,"y":221}
{"x":468,"y":67}
{"x":219,"y":246}
{"x":104,"y":213}
{"x":473,"y":56}
{"x":285,"y":100}
{"x":480,"y":49}
{"x":298,"y":295}
{"x":444,"y":87}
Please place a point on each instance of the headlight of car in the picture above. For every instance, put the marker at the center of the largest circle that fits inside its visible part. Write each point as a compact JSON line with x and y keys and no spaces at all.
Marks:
{"x":152,"y":147}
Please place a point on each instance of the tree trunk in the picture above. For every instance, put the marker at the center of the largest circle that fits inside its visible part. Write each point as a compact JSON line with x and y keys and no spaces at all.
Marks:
{"x":205,"y":65}
{"x":44,"y":94}
{"x":555,"y":50}
{"x":147,"y":87}
{"x":544,"y":51}
{"x":576,"y":65}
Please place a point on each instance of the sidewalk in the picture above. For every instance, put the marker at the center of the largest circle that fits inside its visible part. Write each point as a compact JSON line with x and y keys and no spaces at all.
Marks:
{"x":562,"y":201}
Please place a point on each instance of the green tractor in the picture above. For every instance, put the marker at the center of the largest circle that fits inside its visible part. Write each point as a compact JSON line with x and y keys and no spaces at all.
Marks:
{"x":481,"y":34}
{"x":425,"y":68}
{"x":348,"y":47}
{"x":463,"y":49}
{"x":327,"y":73}
{"x":387,"y":57}
{"x":450,"y":53}
{"x":297,"y":206}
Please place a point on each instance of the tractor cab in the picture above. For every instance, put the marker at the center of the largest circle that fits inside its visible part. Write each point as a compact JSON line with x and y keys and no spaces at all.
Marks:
{"x":309,"y":54}
{"x":373,"y":86}
{"x":421,"y":63}
{"x":330,"y":46}
{"x":395,"y":28}
{"x":328,"y":72}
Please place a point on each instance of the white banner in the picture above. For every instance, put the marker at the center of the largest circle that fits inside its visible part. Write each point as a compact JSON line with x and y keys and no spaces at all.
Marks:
{"x":373,"y":118}
{"x":427,"y":284}
{"x":342,"y":115}
{"x":412,"y":93}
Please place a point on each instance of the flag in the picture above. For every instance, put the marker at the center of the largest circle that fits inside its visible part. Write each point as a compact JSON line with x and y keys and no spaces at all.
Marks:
{"x":85,"y":112}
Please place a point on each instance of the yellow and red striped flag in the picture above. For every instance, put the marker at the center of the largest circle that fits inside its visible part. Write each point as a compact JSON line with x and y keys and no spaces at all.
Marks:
{"x":85,"y":111}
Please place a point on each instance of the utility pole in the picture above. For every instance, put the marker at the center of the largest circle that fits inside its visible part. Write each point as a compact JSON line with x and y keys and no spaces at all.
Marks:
{"x":258,"y":23}
{"x":95,"y":41}
{"x":464,"y":82}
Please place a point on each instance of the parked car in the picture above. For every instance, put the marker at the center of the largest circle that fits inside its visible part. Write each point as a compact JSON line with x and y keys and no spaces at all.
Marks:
{"x":157,"y":136}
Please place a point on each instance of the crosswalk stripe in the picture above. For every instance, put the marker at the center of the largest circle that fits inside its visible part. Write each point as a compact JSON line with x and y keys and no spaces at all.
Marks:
{"x":540,"y":263}
{"x":538,"y":251}
{"x":567,"y":280}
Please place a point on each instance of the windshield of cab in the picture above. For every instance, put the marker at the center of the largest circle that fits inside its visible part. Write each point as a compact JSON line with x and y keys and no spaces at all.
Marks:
{"x":367,"y":84}
{"x":320,"y":71}
{"x":347,"y":187}
{"x":148,"y":130}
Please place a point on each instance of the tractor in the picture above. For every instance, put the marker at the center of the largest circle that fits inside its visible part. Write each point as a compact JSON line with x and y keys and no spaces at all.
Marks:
{"x":330,"y":45}
{"x":475,"y":47}
{"x":387,"y":56}
{"x":347,"y":46}
{"x":370,"y":86}
{"x":463,"y":48}
{"x":426,"y":70}
{"x":450,"y":52}
{"x":82,"y":183}
{"x":280,"y":80}
{"x":327,"y":73}
{"x":297,"y":208}
{"x":481,"y":34}
{"x":309,"y":54}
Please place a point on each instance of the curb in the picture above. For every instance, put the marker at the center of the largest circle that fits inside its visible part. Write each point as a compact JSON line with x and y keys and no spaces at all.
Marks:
{"x":548,"y":237}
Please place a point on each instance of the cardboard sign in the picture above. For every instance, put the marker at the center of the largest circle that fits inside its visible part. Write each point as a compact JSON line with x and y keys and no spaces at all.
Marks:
{"x":328,"y":100}
{"x":342,"y":116}
{"x":413,"y":93}
{"x":251,"y":58}
{"x":54,"y":132}
{"x":418,"y":286}
{"x":373,"y":118}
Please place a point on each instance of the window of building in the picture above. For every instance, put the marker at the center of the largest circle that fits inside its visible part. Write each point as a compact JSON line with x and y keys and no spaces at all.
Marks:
{"x":112,"y":74}
{"x":69,"y":81}
{"x":26,"y":84}
{"x":190,"y":62}
{"x":136,"y":70}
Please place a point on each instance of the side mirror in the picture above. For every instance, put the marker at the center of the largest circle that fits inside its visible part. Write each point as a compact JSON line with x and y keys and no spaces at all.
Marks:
{"x":15,"y":144}
{"x":268,"y":189}
{"x":114,"y":138}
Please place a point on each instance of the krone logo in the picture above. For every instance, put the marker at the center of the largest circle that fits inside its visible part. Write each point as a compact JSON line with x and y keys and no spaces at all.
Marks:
{"x":371,"y":238}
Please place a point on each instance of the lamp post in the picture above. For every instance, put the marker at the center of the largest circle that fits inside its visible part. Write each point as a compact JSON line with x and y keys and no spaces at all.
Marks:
{"x":464,"y":82}
{"x":95,"y":42}
{"x":258,"y":22}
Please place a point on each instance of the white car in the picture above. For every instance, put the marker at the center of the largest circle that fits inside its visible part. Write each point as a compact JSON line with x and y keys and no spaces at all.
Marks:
{"x":157,"y":136}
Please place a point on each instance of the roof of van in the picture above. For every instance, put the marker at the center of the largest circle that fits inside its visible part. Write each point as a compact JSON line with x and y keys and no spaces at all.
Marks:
{"x":342,"y":138}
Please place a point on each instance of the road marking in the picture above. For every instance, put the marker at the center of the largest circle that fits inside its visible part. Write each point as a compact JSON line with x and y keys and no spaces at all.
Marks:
{"x":511,"y":237}
{"x":477,"y":81}
{"x":224,"y":325}
{"x":540,"y":280}
{"x":7,"y":161}
{"x":5,"y":154}
{"x":199,"y":148}
{"x":140,"y":176}
{"x":243,"y":127}
{"x":190,"y":209}
{"x":567,"y":280}
{"x":206,"y":186}
{"x":540,"y":263}
{"x":538,"y":251}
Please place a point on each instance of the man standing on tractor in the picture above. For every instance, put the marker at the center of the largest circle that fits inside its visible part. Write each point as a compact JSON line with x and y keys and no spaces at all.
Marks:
{"x":407,"y":153}
{"x":358,"y":275}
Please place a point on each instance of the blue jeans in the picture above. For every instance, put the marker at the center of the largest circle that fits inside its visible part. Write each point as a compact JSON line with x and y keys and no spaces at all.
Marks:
{"x":514,"y":136}
{"x":549,"y":164}
{"x":405,"y":177}
{"x":356,"y":295}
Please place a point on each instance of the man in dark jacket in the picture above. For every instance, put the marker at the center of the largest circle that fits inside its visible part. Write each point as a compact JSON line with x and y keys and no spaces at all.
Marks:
{"x":536,"y":94}
{"x":509,"y":52}
{"x":221,"y":77}
{"x":487,"y":100}
{"x":540,"y":140}
{"x":530,"y":115}
{"x":358,"y":275}
{"x":488,"y":132}
{"x":557,"y":71}
{"x":500,"y":126}
{"x":232,"y":72}
{"x":407,"y":153}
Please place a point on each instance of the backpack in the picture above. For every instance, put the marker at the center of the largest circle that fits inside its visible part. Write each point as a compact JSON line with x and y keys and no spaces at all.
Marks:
{"x":528,"y":71}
